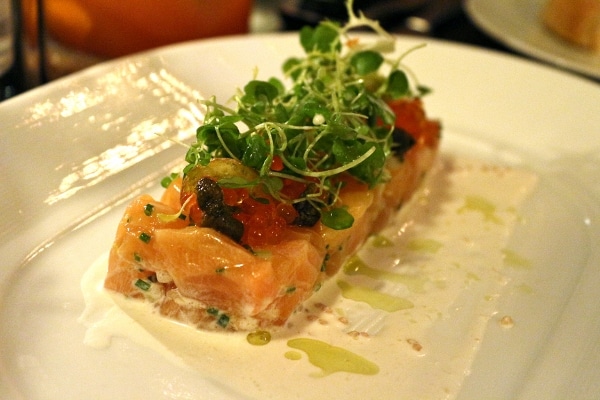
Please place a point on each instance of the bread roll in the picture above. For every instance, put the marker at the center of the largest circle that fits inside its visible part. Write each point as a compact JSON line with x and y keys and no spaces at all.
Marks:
{"x":577,"y":21}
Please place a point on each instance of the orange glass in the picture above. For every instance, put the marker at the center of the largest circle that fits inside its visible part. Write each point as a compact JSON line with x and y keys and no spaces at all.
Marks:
{"x":112,"y":28}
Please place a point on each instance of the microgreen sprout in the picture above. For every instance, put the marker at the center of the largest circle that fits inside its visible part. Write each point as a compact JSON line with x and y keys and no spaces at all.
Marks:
{"x":332,"y":121}
{"x":178,"y":215}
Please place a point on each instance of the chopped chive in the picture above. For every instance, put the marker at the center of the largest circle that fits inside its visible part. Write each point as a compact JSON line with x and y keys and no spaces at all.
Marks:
{"x":223,"y":320}
{"x":148,"y":208}
{"x":144,"y":237}
{"x":290,"y":290}
{"x":137,"y":257}
{"x":166,"y":181}
{"x":212,"y":311}
{"x":324,"y":264}
{"x":142,"y":285}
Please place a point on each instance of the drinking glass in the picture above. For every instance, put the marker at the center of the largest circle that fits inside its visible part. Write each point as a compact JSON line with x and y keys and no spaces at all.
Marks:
{"x":73,"y":34}
{"x":6,"y":36}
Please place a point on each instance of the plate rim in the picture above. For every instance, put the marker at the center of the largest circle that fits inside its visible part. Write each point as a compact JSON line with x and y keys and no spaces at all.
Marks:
{"x":491,"y":27}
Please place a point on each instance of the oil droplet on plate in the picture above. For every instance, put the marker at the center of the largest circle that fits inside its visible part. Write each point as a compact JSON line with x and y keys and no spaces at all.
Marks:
{"x":471,"y":276}
{"x":515,"y":260}
{"x":374,"y":298}
{"x":525,"y":289}
{"x":425,"y":245}
{"x":293,"y":355}
{"x":356,"y":266}
{"x":481,"y":205}
{"x":381,"y":241}
{"x":331,"y":359}
{"x":258,"y":338}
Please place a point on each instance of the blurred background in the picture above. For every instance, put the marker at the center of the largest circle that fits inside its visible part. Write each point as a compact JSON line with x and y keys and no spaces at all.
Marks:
{"x":42,"y":40}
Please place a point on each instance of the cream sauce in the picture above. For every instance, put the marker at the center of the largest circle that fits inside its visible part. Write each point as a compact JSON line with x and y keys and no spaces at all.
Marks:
{"x":443,"y":262}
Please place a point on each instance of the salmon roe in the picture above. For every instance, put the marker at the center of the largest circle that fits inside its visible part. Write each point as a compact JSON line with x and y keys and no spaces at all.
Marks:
{"x":264,"y":218}
{"x":411,"y":117}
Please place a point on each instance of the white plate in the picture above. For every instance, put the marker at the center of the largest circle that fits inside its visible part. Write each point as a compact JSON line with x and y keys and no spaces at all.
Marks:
{"x":73,"y":151}
{"x":517,"y":24}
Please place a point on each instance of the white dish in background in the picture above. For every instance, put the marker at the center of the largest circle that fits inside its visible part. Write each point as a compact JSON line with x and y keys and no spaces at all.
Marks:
{"x":74,"y":151}
{"x":517,"y":24}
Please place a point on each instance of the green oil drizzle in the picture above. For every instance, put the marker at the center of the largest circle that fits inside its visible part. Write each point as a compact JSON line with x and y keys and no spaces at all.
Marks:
{"x":374,"y":298}
{"x":473,"y":276}
{"x":381,"y":241}
{"x":356,"y":266}
{"x":424,"y":245}
{"x":512,"y":259}
{"x":293,"y":355}
{"x":258,"y":338}
{"x":331,"y":359}
{"x":481,"y":205}
{"x":525,"y":289}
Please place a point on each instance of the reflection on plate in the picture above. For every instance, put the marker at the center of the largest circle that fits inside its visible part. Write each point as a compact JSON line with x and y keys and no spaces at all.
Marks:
{"x":517,"y":24}
{"x":74,"y":151}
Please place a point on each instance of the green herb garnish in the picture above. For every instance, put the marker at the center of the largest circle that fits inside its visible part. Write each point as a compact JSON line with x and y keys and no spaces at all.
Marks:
{"x":212,"y":311}
{"x":148,"y":208}
{"x":144,"y":237}
{"x":332,"y":121}
{"x":142,"y":285}
{"x":290,"y":290}
{"x":223,"y":320}
{"x":166,"y":181}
